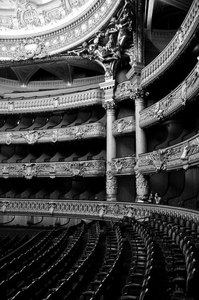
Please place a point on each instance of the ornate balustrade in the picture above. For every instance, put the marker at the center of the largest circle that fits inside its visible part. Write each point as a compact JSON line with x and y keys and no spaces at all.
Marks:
{"x":53,"y":169}
{"x":81,"y":99}
{"x":123,"y":165}
{"x":177,"y":45}
{"x":182,"y":155}
{"x":173,"y":102}
{"x":124,"y":125}
{"x":123,"y":91}
{"x":90,"y":209}
{"x":94,"y":130}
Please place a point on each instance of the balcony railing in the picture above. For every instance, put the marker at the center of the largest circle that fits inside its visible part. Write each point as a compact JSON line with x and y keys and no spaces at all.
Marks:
{"x":88,"y":168}
{"x":54,"y":103}
{"x":177,"y":45}
{"x":123,"y":165}
{"x":95,"y":130}
{"x":182,"y":155}
{"x":124,"y":126}
{"x":90,"y":209}
{"x":173,"y":102}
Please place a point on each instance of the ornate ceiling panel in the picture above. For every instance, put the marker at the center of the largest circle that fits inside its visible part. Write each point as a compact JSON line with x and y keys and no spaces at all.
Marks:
{"x":35,"y":29}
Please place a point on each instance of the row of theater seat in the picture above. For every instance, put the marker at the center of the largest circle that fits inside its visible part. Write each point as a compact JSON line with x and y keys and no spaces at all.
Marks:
{"x":44,"y":193}
{"x":43,"y":122}
{"x":21,"y":156}
{"x":8,"y":244}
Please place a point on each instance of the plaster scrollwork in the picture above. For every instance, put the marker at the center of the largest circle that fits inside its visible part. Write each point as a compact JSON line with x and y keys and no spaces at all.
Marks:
{"x":158,"y":111}
{"x":159,"y":159}
{"x":124,"y":125}
{"x":180,"y":37}
{"x":52,"y":172}
{"x":184,"y":93}
{"x":31,"y":136}
{"x":33,"y":47}
{"x":3,"y":206}
{"x":51,"y":207}
{"x":124,"y":165}
{"x":111,"y":183}
{"x":8,"y":138}
{"x":123,"y":90}
{"x":29,"y":170}
{"x":54,"y":136}
{"x":5,"y":172}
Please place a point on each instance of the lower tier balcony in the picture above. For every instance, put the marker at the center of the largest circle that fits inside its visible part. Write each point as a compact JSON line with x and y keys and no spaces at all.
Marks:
{"x":182,"y":155}
{"x":88,"y":168}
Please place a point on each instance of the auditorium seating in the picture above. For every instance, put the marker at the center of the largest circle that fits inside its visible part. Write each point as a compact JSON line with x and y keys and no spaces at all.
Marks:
{"x":160,"y":254}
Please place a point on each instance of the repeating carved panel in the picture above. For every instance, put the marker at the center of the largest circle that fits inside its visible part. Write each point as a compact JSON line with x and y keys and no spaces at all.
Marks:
{"x":173,"y":102}
{"x":124,"y":125}
{"x":183,"y":155}
{"x":174,"y":48}
{"x":52,"y":170}
{"x":87,"y":131}
{"x":123,"y":165}
{"x":86,"y":98}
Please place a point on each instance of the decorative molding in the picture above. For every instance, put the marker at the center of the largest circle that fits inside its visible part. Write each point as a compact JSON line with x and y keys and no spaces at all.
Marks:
{"x":124,"y":126}
{"x":53,"y":103}
{"x":53,"y":169}
{"x":66,"y":35}
{"x":87,"y":131}
{"x":123,"y":90}
{"x":90,"y":209}
{"x":183,"y":155}
{"x":123,"y":165}
{"x":173,"y":50}
{"x":173,"y":102}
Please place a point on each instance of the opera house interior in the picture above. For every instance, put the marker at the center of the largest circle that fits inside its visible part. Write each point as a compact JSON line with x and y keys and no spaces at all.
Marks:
{"x":99,"y":149}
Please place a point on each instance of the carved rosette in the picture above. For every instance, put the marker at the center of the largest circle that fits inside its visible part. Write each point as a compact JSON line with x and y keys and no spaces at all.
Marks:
{"x":31,"y":136}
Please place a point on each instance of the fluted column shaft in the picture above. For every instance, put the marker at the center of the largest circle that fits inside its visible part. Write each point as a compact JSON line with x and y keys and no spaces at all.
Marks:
{"x":109,"y":105}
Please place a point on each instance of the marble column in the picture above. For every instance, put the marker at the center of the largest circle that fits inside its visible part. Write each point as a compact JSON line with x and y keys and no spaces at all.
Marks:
{"x":109,"y":105}
{"x":142,"y":188}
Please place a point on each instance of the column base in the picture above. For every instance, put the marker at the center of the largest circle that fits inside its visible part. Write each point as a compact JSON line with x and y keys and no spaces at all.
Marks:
{"x":111,"y":198}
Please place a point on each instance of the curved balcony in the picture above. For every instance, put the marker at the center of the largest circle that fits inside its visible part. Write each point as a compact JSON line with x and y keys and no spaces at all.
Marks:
{"x":173,"y":50}
{"x":173,"y":102}
{"x":44,"y":41}
{"x":88,"y":131}
{"x":182,"y":155}
{"x":90,"y":209}
{"x":124,"y":126}
{"x":88,"y":168}
{"x":123,"y":165}
{"x":55,"y":103}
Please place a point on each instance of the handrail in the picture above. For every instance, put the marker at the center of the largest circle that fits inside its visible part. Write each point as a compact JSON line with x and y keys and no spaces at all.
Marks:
{"x":173,"y":50}
{"x":91,"y":209}
{"x":173,"y":102}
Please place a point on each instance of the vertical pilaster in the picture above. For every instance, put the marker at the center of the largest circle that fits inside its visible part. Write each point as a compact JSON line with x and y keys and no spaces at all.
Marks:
{"x":109,"y":105}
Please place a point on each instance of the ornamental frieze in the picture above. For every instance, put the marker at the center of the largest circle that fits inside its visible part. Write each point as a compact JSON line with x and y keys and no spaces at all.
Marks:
{"x":124,"y":125}
{"x":90,"y":209}
{"x":123,"y":165}
{"x":183,"y":155}
{"x":123,"y":90}
{"x":63,"y":36}
{"x":53,"y":103}
{"x":54,"y":135}
{"x":52,"y":170}
{"x":173,"y":50}
{"x":173,"y":102}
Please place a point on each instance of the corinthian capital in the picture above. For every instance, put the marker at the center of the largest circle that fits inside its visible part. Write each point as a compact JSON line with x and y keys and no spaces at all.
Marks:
{"x":109,"y":105}
{"x":138,"y":93}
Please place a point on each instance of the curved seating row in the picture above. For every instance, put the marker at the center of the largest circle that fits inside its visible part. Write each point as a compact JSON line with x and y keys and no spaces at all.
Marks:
{"x":56,"y":121}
